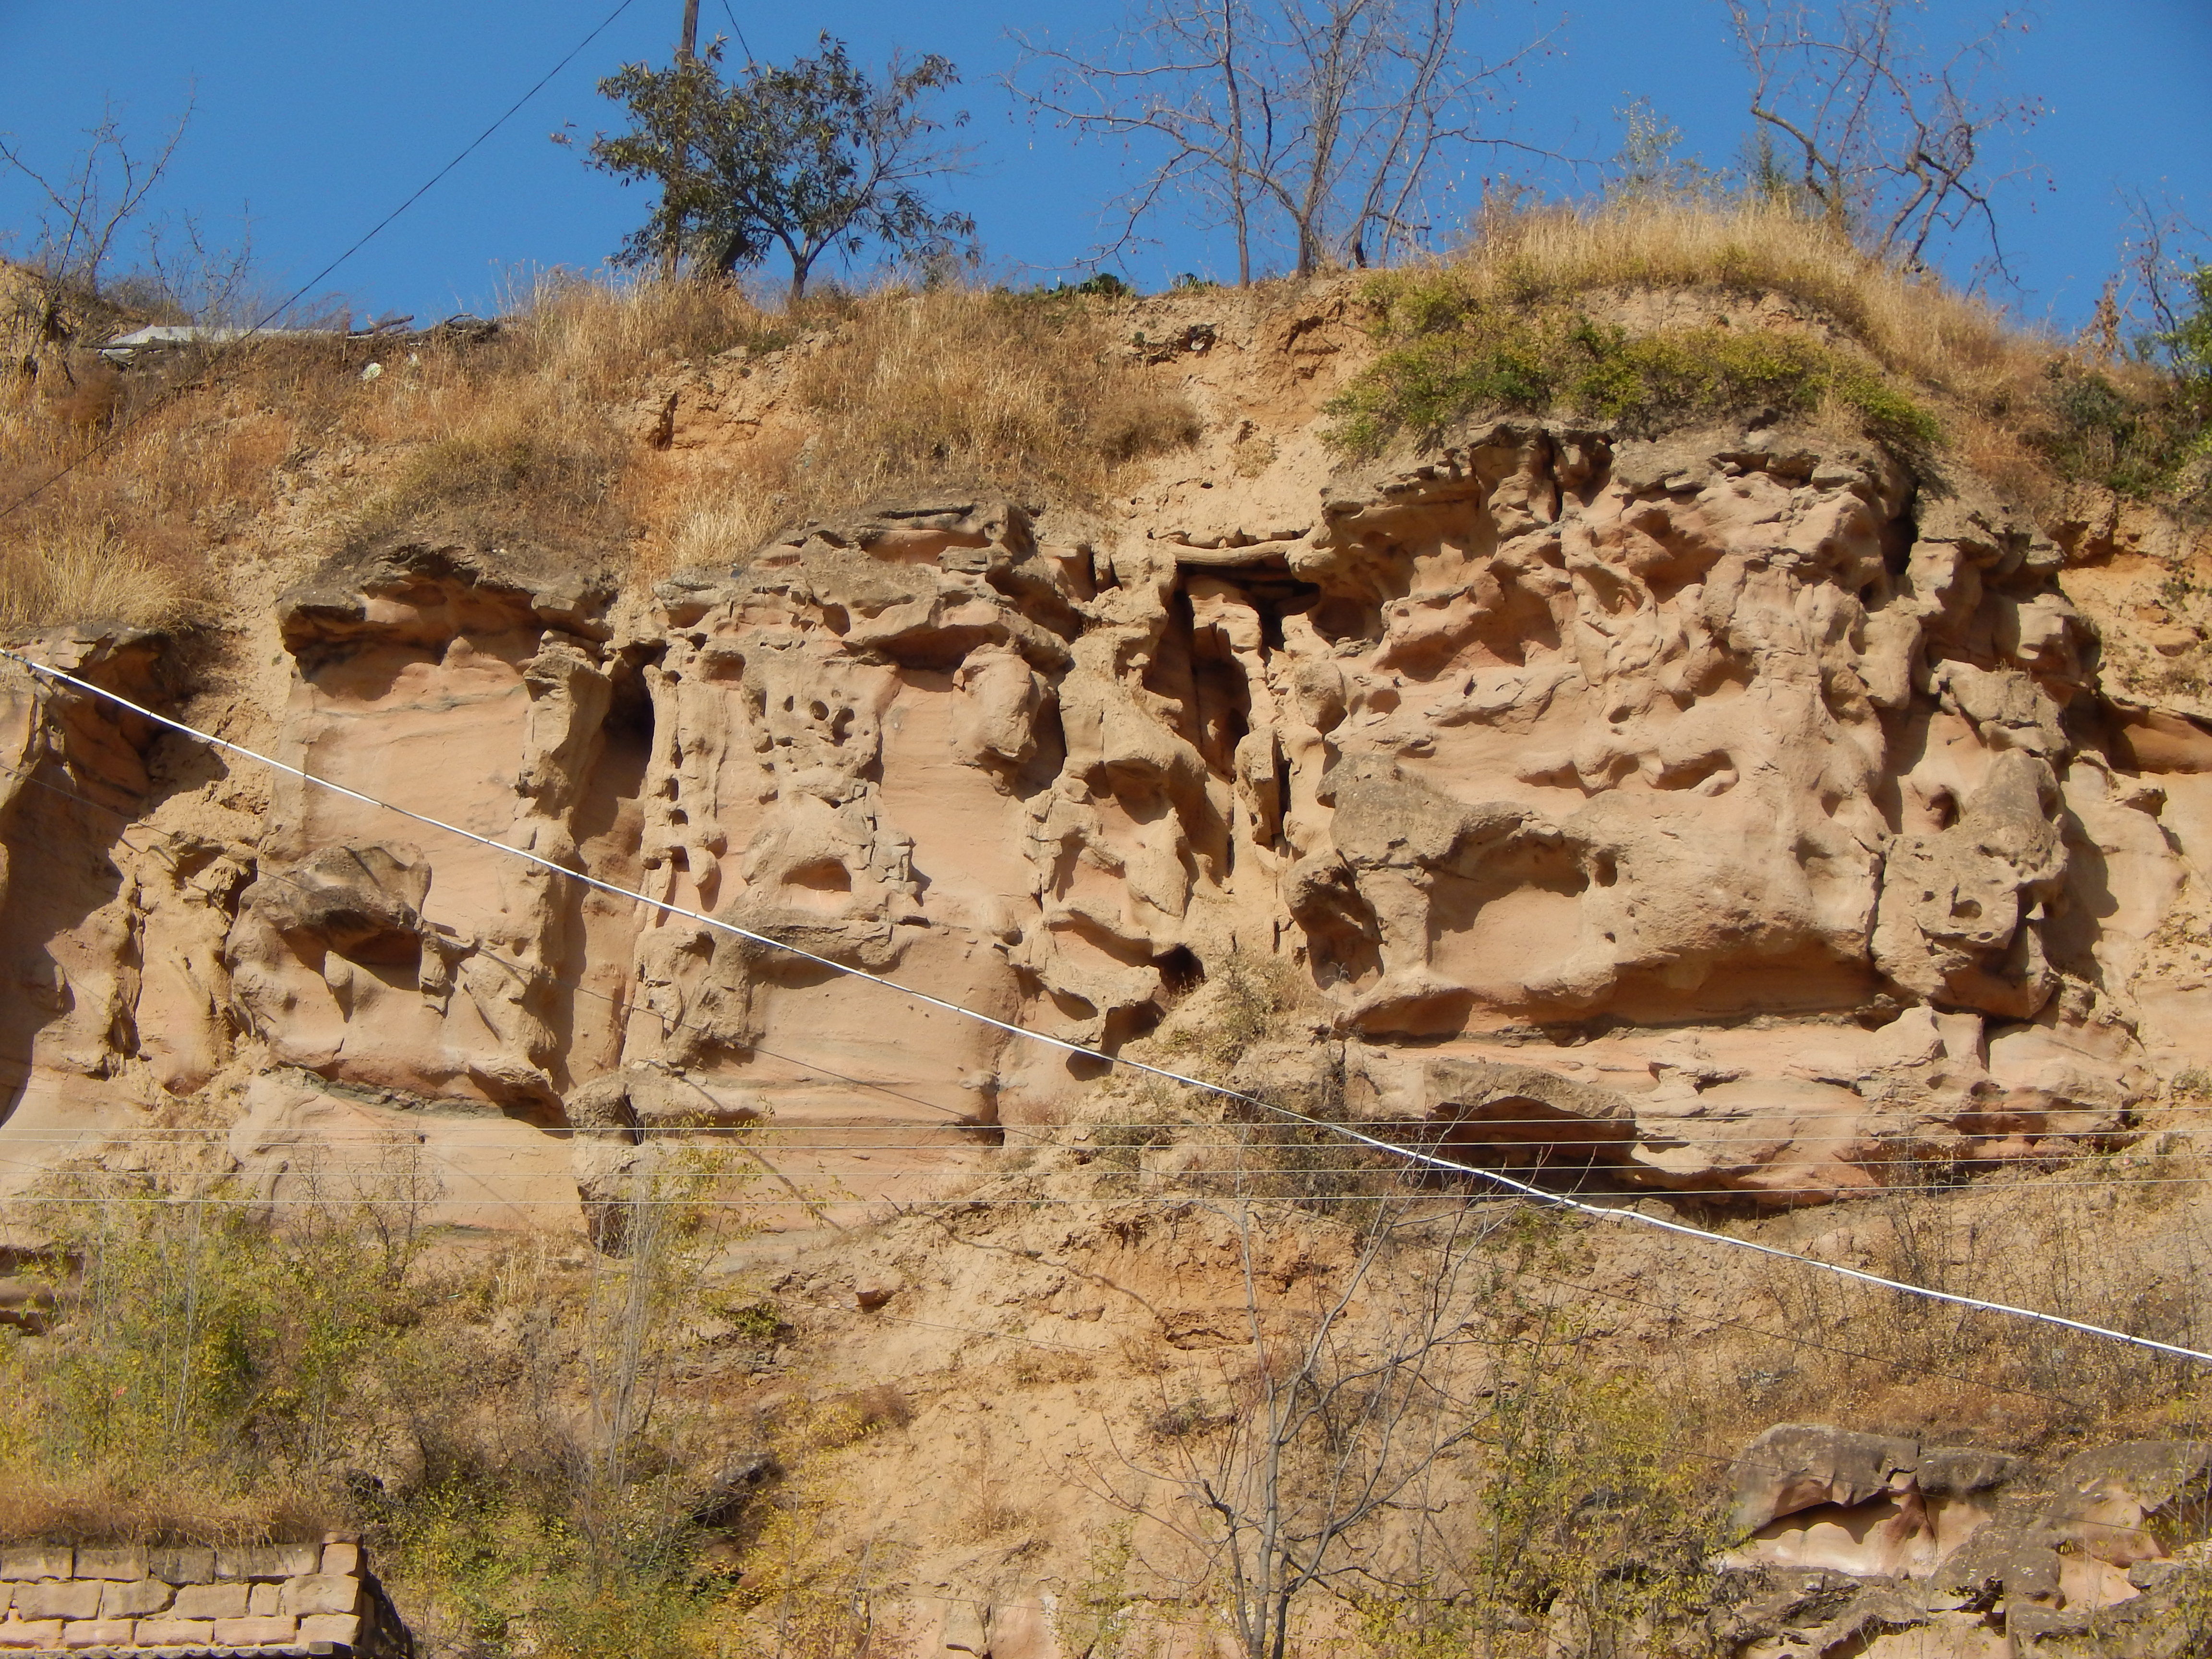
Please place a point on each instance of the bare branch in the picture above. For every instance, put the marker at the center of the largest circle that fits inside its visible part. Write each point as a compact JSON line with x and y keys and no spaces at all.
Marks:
{"x":1892,"y":138}
{"x":74,"y":240}
{"x":1315,"y":127}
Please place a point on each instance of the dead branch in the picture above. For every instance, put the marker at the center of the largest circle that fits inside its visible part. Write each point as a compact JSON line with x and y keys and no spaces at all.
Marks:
{"x":1315,"y":126}
{"x":1892,"y":139}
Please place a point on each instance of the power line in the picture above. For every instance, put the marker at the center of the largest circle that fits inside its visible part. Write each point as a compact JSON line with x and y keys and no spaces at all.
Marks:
{"x":1429,"y":1160}
{"x":116,"y":434}
{"x":787,"y":1141}
{"x":739,"y":33}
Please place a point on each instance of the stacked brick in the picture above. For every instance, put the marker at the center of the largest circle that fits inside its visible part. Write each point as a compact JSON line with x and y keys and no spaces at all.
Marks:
{"x":271,"y":1599}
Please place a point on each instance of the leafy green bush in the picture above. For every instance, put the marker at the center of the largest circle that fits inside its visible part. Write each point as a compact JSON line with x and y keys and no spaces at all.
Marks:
{"x":2187,"y":347}
{"x":1448,"y":354}
{"x":2138,"y":439}
{"x":2144,"y":428}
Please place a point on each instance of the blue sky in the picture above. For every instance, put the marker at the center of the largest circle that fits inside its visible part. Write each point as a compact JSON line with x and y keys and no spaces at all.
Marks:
{"x":315,"y":121}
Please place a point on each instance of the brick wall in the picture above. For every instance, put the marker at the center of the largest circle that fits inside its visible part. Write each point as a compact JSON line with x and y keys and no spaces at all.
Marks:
{"x":269,"y":1598}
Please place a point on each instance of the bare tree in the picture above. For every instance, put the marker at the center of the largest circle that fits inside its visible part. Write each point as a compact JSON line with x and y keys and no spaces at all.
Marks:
{"x":2156,"y":296}
{"x":680,"y":1207}
{"x":1325,"y":126}
{"x":1347,"y":1394}
{"x":1889,"y":139}
{"x":89,"y":210}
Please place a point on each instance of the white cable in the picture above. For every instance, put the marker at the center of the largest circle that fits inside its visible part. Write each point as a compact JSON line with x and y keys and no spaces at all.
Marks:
{"x":1429,"y":1160}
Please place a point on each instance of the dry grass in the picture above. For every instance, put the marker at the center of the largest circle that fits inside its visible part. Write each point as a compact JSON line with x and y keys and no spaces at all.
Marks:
{"x":122,"y":528}
{"x":596,"y":341}
{"x":1019,"y":391}
{"x":545,"y":444}
{"x":97,"y":1508}
{"x":539,"y":443}
{"x":1919,"y":327}
{"x":1990,"y":377}
{"x":149,"y":483}
{"x":72,"y":570}
{"x":963,"y":388}
{"x":530,"y":444}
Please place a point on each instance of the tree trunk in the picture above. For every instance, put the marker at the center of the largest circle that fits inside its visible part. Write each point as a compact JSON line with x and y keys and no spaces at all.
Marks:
{"x":687,"y":52}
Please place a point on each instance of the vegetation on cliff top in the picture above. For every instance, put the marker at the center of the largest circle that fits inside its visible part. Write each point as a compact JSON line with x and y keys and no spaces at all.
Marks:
{"x":1447,"y":353}
{"x":1797,"y":318}
{"x":148,"y":483}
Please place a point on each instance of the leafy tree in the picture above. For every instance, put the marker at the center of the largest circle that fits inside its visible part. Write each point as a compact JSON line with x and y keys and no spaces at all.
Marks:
{"x":814,"y":158}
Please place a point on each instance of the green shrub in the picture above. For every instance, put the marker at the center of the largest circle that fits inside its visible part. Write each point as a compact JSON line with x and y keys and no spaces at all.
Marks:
{"x":2139,"y":439}
{"x":2186,"y":349}
{"x":500,"y":1425}
{"x":1448,"y":354}
{"x":2142,"y":430}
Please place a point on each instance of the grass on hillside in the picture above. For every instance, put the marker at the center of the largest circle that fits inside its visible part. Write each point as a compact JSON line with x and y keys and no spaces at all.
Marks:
{"x":966,"y":388}
{"x":538,"y":443}
{"x":1500,"y":326}
{"x":541,"y":1441}
{"x":501,"y":1421}
{"x":535,"y":443}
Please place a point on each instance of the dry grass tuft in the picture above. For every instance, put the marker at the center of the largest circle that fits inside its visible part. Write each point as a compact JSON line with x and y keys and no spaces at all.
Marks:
{"x":120,"y":529}
{"x":505,"y":474}
{"x":1020,"y":394}
{"x":596,"y":341}
{"x":95,"y":1509}
{"x":1917,"y":325}
{"x":78,"y":571}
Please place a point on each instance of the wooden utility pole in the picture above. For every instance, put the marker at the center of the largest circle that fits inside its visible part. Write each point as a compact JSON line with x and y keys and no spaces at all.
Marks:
{"x":686,"y":53}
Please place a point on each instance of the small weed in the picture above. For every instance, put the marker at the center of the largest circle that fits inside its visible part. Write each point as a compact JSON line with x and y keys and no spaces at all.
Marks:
{"x":1240,"y":1004}
{"x":760,"y":1323}
{"x":1098,"y":1614}
{"x":1180,"y":1418}
{"x":863,"y":1412}
{"x":1035,"y":1367}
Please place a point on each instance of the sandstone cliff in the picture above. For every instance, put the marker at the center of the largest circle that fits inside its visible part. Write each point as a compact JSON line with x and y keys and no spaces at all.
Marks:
{"x":1744,"y":810}
{"x":1734,"y":820}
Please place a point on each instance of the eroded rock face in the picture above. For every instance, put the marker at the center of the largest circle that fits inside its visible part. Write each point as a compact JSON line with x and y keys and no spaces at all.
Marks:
{"x":1714,"y":815}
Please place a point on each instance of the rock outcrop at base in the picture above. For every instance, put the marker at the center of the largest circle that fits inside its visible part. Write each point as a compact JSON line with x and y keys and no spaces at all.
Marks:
{"x":1861,"y":1543}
